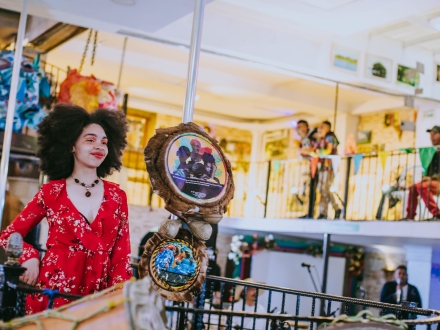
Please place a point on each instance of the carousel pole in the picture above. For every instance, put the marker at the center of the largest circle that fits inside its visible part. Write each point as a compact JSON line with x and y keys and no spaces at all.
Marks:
{"x":193,"y":65}
{"x":11,"y":107}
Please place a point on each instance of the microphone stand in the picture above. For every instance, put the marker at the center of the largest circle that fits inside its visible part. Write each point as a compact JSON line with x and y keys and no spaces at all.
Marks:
{"x":323,"y":312}
{"x":313,"y":280}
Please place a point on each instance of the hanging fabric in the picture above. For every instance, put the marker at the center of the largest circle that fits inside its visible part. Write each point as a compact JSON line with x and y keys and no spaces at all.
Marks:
{"x":28,"y":113}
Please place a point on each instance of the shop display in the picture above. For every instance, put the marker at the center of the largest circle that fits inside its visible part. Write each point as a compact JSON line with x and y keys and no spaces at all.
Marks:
{"x":87,"y":92}
{"x":31,"y":85}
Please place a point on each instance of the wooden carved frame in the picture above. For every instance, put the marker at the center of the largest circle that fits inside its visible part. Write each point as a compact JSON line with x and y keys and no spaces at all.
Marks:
{"x":156,"y":153}
{"x":192,"y":290}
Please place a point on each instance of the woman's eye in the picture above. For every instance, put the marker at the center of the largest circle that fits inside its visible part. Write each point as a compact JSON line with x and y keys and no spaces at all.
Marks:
{"x":90,"y":140}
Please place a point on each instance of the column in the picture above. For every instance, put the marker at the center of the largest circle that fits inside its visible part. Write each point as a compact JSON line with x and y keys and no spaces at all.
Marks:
{"x":419,"y":263}
{"x":253,"y":205}
{"x":345,"y":124}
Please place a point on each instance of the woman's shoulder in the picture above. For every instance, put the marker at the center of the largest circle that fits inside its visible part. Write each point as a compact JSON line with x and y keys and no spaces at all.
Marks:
{"x":113,"y":186}
{"x":53,"y":185}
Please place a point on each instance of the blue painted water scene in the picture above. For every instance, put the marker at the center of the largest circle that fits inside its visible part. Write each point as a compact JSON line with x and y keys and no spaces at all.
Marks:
{"x":345,"y":59}
{"x":175,"y":263}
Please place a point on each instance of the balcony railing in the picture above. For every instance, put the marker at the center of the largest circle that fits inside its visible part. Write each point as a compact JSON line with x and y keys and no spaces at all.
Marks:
{"x":365,"y":187}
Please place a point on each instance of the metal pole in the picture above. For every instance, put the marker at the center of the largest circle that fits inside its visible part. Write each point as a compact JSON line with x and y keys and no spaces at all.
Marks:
{"x":336,"y":106}
{"x":11,"y":107}
{"x":325,"y":256}
{"x":124,"y":47}
{"x":193,"y":65}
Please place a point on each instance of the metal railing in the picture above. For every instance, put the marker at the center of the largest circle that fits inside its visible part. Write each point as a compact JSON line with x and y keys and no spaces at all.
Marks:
{"x":216,"y":307}
{"x":365,"y":187}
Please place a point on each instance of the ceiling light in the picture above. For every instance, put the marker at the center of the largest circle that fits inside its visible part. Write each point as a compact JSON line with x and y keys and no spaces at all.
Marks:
{"x":124,"y":2}
{"x":197,"y":97}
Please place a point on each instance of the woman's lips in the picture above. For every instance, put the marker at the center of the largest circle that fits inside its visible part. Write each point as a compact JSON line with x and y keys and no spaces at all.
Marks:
{"x":98,"y":155}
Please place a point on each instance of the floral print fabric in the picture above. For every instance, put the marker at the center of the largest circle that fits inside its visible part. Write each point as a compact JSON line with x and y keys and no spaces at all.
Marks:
{"x":81,"y":258}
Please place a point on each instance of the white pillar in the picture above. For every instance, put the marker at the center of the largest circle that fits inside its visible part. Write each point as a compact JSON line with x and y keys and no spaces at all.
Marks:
{"x":345,"y":124}
{"x":4,"y":165}
{"x":252,"y":203}
{"x":419,"y":263}
{"x":434,"y":301}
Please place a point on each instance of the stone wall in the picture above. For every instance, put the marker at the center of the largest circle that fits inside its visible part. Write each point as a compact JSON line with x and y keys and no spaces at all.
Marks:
{"x":375,"y":272}
{"x":387,"y":137}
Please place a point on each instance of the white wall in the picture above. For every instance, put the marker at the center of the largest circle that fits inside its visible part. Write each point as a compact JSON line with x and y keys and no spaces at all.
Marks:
{"x":284,"y":269}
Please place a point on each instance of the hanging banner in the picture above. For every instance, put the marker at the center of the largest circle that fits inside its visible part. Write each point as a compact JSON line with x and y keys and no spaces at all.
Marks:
{"x":407,"y":150}
{"x":336,"y":160}
{"x":383,"y":158}
{"x":314,"y":165}
{"x":426,"y":155}
{"x":357,"y":162}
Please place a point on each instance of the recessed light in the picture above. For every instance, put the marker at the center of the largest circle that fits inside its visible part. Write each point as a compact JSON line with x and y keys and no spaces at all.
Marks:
{"x":197,"y":97}
{"x":124,"y":2}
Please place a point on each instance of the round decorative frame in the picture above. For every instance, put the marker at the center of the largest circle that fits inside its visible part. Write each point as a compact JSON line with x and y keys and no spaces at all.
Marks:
{"x":157,"y":161}
{"x":147,"y":266}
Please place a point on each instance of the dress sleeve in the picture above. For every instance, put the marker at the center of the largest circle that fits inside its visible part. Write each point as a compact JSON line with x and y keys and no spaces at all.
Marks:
{"x":31,"y":215}
{"x":120,"y":267}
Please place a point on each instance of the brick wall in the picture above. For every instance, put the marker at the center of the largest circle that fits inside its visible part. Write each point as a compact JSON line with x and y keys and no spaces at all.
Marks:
{"x":388,"y":137}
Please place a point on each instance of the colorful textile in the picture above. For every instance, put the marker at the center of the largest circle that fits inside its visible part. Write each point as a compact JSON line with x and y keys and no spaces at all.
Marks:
{"x":87,"y":92}
{"x":28,"y":113}
{"x":81,"y":258}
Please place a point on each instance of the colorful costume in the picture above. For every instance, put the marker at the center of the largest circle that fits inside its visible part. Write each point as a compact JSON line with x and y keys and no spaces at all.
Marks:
{"x":326,"y":174}
{"x":81,"y":258}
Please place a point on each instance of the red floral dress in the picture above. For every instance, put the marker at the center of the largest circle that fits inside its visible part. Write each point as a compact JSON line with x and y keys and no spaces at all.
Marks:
{"x":81,"y":258}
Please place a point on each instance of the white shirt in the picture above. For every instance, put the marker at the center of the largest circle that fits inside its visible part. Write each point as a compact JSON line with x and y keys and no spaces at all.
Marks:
{"x":402,"y":295}
{"x":260,"y":324}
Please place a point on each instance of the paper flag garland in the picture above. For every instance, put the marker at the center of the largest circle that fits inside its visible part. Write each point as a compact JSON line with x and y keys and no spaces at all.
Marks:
{"x":357,"y":162}
{"x":426,"y":155}
{"x":336,"y":160}
{"x":383,"y":158}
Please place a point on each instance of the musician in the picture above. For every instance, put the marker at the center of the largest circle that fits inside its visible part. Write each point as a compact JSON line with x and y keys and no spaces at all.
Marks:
{"x":88,"y":243}
{"x":399,"y":290}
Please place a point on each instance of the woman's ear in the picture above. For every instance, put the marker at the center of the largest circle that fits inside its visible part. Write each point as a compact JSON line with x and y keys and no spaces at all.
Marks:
{"x":73,"y":150}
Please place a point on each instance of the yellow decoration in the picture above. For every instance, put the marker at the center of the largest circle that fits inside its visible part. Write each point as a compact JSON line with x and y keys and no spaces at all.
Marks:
{"x":383,"y":158}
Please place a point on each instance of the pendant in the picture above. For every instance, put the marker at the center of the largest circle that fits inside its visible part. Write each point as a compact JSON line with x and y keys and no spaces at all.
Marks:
{"x":88,"y":193}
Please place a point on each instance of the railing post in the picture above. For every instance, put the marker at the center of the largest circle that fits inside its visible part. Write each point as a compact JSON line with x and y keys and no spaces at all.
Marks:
{"x":325,"y":256}
{"x":347,"y":186}
{"x":266,"y":198}
{"x":312,"y":195}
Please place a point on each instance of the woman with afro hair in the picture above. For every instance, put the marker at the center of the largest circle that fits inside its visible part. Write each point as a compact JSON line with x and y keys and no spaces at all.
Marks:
{"x":88,"y":244}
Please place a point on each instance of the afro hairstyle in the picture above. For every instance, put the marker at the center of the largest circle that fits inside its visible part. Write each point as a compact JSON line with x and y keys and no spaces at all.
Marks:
{"x":62,"y":127}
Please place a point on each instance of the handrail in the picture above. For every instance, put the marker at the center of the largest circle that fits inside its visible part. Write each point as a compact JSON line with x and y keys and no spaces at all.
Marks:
{"x":326,"y":296}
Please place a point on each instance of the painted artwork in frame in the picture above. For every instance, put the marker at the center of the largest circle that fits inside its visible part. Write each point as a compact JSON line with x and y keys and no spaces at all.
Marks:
{"x":345,"y":59}
{"x":437,"y":72}
{"x":407,"y":76}
{"x":378,"y":67}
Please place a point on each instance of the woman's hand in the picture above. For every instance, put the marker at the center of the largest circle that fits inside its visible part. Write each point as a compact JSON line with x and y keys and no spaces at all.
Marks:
{"x":32,"y":270}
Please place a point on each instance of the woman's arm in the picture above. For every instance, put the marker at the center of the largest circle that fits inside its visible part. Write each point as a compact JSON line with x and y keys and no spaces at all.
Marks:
{"x":120,"y":267}
{"x":31,"y":215}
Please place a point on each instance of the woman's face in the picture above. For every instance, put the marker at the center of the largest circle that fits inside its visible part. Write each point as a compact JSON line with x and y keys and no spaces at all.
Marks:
{"x":91,"y":148}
